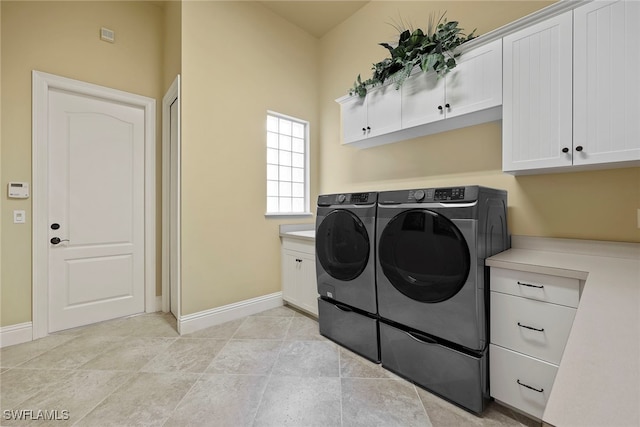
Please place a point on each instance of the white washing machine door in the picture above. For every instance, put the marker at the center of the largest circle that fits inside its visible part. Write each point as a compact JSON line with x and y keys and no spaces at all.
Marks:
{"x":342,"y":245}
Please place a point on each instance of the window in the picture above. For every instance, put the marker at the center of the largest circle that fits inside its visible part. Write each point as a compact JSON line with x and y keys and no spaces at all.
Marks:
{"x":287,"y":165}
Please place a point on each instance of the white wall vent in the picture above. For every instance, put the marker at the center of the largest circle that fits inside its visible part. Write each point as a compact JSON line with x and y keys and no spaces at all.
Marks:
{"x":107,"y":35}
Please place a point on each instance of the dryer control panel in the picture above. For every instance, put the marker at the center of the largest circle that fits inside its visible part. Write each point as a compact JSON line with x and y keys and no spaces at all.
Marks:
{"x":468,"y":193}
{"x":449,"y":194}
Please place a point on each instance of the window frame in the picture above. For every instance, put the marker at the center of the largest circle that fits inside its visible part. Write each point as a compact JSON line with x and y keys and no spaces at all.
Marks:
{"x":307,"y":194}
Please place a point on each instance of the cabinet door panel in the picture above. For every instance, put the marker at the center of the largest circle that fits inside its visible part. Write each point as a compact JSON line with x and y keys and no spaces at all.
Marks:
{"x":422,"y":93}
{"x":537,"y":95}
{"x":383,"y":110}
{"x":476,"y":82}
{"x":309,"y":288}
{"x":354,"y":119}
{"x":290,"y":277}
{"x":606,"y":82}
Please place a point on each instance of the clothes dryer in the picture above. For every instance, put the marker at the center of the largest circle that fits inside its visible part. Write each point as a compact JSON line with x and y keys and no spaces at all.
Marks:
{"x":345,"y":268}
{"x":432,"y":285}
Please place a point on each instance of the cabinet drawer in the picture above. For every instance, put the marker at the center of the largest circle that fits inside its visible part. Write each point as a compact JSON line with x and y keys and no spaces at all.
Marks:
{"x":542,"y":287}
{"x":532,"y":327}
{"x":520,"y":381}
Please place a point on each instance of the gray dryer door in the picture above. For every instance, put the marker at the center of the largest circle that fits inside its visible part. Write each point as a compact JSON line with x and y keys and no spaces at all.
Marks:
{"x":424,"y":255}
{"x":429,"y":278}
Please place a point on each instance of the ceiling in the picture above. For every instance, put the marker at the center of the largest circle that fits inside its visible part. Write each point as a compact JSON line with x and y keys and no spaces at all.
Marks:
{"x":315,"y":17}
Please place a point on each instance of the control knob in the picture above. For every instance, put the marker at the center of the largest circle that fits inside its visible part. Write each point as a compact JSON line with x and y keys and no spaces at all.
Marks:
{"x":419,"y":195}
{"x":342,"y":198}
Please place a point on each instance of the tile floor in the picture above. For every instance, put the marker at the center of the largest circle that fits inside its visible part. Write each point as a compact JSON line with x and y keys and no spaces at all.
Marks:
{"x":270,"y":369}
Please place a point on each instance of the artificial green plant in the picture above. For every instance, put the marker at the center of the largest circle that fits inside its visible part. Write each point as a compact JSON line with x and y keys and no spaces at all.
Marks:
{"x":433,"y":50}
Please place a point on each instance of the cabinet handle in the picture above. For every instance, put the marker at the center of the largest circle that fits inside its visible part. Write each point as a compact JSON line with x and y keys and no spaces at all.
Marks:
{"x":530,"y":285}
{"x":565,"y":150}
{"x":530,"y":327}
{"x":364,"y":129}
{"x":440,"y":107}
{"x":579,"y":148}
{"x":539,"y":390}
{"x":448,"y":106}
{"x":368,"y":128}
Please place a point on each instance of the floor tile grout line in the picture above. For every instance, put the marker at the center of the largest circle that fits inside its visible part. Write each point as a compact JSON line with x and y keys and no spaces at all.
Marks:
{"x":17,"y":406}
{"x":37,"y":355}
{"x":424,"y":408}
{"x":182,"y":399}
{"x":226,"y":342}
{"x":106,"y":397}
{"x":270,"y":375}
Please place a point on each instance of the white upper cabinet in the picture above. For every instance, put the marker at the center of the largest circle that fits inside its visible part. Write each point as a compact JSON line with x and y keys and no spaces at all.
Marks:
{"x":473,"y":85}
{"x":376,"y":114}
{"x":476,"y":82}
{"x":537,"y":104}
{"x":468,"y":95}
{"x":422,"y":99}
{"x":606,"y":82}
{"x":572,"y":91}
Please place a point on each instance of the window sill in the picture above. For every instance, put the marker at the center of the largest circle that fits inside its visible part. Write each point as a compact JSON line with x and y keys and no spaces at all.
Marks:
{"x":287,"y":214}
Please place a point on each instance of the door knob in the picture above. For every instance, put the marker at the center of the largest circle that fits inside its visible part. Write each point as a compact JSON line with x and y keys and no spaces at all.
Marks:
{"x":56,"y":240}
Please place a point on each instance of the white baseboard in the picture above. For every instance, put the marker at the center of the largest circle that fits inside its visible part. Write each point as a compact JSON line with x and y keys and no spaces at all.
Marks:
{"x":16,"y":334}
{"x":204,"y":319}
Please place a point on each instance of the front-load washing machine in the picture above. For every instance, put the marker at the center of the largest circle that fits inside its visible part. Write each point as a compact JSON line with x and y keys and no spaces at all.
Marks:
{"x":433,"y":289}
{"x":345,"y":269}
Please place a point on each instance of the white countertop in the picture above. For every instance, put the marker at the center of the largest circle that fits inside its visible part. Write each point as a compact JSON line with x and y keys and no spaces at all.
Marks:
{"x":598,"y":380}
{"x":299,"y":231}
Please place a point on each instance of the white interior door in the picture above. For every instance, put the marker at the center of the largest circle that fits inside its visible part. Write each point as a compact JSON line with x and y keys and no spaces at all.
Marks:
{"x":96,"y":197}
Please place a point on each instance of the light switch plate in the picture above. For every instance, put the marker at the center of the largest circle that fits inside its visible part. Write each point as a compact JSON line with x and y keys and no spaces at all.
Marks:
{"x":19,"y":217}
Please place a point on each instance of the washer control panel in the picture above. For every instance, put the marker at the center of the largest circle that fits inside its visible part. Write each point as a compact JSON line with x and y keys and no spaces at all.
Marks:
{"x":348,"y":199}
{"x":359,"y":198}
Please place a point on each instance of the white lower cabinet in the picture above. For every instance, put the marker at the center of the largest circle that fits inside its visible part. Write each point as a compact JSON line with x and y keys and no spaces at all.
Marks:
{"x":531,"y":318}
{"x":299,"y":275}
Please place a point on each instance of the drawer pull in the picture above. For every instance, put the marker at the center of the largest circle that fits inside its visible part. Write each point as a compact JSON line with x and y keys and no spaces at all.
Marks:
{"x":530,"y":285}
{"x":421,"y":338}
{"x":530,"y":327}
{"x":529,"y":387}
{"x":341,"y":307}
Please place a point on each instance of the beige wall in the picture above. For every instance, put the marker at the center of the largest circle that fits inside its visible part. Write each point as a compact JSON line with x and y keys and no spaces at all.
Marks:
{"x":600,"y":205}
{"x":238,"y":61}
{"x":172,"y":42}
{"x":62,"y":38}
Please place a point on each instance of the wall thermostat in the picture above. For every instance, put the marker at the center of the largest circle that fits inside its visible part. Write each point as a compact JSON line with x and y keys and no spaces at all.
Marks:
{"x":18,"y":190}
